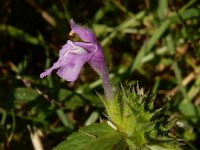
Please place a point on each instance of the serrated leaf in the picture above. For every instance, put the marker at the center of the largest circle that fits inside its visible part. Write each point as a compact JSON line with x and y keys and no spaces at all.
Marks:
{"x":96,"y":136}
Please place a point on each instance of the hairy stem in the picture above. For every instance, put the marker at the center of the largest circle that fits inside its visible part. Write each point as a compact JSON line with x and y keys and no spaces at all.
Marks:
{"x":106,"y":84}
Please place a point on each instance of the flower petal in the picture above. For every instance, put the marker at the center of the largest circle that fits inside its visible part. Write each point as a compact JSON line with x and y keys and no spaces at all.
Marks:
{"x":48,"y":71}
{"x":97,"y":60}
{"x":84,"y":33}
{"x":70,"y":69}
{"x":71,"y":47}
{"x":71,"y":59}
{"x":90,"y":47}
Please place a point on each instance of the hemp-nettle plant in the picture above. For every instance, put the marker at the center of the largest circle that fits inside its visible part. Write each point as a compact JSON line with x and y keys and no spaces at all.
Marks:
{"x":73,"y":55}
{"x":132,"y":121}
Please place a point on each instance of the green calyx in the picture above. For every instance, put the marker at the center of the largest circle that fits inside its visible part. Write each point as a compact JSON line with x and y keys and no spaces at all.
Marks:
{"x":132,"y":113}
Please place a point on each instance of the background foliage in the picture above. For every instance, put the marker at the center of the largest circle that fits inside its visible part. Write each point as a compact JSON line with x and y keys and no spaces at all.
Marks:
{"x":156,"y":43}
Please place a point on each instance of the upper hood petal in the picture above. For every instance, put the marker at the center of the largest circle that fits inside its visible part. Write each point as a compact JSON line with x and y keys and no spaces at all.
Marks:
{"x":84,"y":33}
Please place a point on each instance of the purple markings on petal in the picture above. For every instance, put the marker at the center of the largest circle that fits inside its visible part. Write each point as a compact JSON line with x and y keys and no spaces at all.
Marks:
{"x":70,"y":69}
{"x":84,"y":33}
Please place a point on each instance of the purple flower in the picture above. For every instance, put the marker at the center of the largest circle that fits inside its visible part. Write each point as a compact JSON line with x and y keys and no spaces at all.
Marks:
{"x":73,"y":55}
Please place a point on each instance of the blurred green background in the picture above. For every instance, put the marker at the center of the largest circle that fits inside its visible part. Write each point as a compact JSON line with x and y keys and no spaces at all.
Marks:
{"x":154,"y":42}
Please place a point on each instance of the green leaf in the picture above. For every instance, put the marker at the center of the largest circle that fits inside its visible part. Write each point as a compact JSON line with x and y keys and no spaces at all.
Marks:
{"x":189,"y":135}
{"x":92,"y":118}
{"x":164,"y":147}
{"x":189,"y":13}
{"x":190,"y":111}
{"x":20,"y":34}
{"x":146,"y":48}
{"x":25,"y":94}
{"x":70,"y":99}
{"x":162,"y":9}
{"x":64,"y":119}
{"x":96,"y":136}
